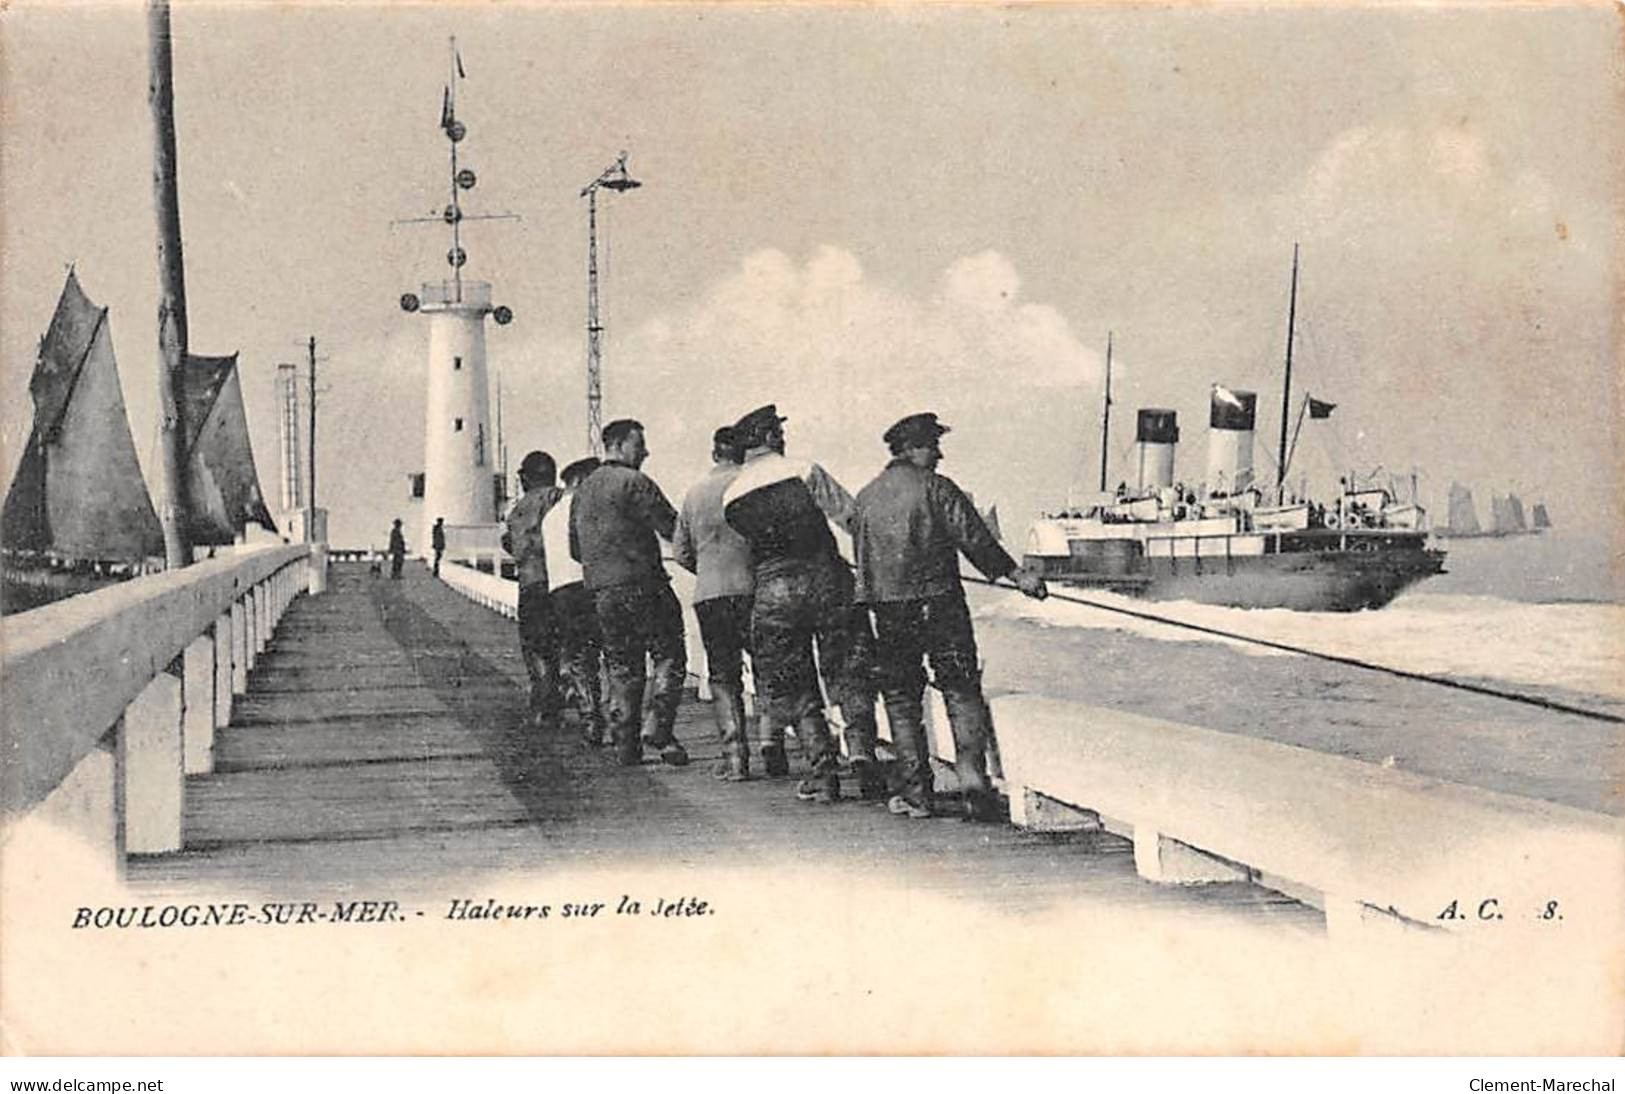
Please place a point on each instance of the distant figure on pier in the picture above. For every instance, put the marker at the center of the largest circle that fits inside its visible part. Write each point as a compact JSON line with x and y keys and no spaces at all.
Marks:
{"x":617,"y":514}
{"x":438,"y":534}
{"x":397,"y":550}
{"x":783,"y":509}
{"x":909,"y":529}
{"x":538,"y":631}
{"x":580,"y":639}
{"x":719,"y":558}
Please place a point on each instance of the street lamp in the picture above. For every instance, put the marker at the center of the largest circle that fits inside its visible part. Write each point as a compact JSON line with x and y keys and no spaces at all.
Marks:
{"x":615,"y":178}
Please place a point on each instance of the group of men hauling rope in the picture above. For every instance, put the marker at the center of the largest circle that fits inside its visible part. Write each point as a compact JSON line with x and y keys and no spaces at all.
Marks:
{"x":771,"y":584}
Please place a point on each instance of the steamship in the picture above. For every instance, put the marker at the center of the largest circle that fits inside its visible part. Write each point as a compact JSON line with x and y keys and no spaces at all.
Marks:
{"x":1166,"y":542}
{"x":1220,"y":542}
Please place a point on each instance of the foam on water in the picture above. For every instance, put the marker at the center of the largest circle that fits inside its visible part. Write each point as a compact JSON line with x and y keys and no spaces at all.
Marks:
{"x":1577,"y":647}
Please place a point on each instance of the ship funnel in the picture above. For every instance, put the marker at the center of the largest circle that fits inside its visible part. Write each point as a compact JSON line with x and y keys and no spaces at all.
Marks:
{"x":1156,"y":432}
{"x":1230,"y":441}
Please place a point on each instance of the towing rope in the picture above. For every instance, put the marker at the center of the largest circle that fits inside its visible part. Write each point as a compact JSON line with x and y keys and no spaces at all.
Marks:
{"x":1353,"y":662}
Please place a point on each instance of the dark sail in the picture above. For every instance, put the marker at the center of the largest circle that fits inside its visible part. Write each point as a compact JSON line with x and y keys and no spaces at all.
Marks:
{"x":222,"y":482}
{"x":78,"y":492}
{"x":1506,"y":514}
{"x":1463,"y":516}
{"x":1515,"y":504}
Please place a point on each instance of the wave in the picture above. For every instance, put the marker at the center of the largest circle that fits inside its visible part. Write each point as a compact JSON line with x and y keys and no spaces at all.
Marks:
{"x":1574,"y":646}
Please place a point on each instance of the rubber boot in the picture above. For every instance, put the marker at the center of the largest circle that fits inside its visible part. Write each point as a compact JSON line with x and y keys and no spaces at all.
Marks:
{"x":824,"y":784}
{"x":914,"y":781}
{"x":775,"y":761}
{"x":625,"y":708}
{"x":545,"y":703}
{"x":968,"y":716}
{"x":728,"y":708}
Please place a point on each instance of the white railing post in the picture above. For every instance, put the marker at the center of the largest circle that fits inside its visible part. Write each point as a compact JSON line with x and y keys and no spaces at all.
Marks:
{"x":87,"y":803}
{"x":239,"y":648}
{"x":262,"y":619}
{"x":153,"y":774}
{"x":250,"y":628}
{"x":316,"y":568}
{"x":1158,"y":858}
{"x":222,"y":671}
{"x":198,"y":682}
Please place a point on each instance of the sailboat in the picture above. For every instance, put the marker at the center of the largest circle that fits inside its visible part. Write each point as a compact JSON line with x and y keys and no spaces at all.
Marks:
{"x":1506,"y":516}
{"x":222,"y":482}
{"x":77,"y":514}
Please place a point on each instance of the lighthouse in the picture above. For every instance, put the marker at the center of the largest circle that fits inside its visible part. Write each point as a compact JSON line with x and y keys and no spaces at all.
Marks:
{"x":459,"y":483}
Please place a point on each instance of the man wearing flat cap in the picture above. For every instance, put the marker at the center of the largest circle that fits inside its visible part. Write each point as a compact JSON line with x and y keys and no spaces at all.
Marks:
{"x":909,"y":528}
{"x":720,"y":561}
{"x":803,"y":594}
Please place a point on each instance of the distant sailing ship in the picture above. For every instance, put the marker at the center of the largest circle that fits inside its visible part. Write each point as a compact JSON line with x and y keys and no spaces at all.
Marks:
{"x":78,"y":515}
{"x":1506,"y":516}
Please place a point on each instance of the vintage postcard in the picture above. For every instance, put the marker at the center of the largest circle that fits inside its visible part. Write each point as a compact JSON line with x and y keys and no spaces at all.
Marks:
{"x":812,"y":528}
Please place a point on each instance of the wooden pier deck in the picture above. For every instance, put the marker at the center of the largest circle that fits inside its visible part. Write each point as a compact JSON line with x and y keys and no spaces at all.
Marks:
{"x":382,"y":742}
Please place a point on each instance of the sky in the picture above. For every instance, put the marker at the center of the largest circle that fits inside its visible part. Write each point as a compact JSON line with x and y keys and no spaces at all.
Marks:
{"x":859,"y":213}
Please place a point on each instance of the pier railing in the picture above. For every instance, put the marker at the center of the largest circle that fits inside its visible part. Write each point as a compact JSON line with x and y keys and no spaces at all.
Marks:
{"x":112,"y":697}
{"x":1371,"y":846}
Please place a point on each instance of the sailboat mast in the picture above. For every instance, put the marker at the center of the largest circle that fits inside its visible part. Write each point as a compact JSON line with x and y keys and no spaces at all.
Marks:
{"x":1286,"y":387}
{"x":174,"y":510}
{"x":1106,"y":414}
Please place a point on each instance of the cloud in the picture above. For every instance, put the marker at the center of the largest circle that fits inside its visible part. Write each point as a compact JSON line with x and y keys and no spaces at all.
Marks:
{"x":844,"y":355}
{"x":771,"y":320}
{"x":1431,"y":185}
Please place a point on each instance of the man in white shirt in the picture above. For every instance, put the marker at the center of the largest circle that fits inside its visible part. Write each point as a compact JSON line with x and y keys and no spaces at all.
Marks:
{"x":581,"y":643}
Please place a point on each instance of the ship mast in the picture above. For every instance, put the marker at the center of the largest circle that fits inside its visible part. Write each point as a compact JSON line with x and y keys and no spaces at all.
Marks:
{"x":174,"y":514}
{"x":1286,"y":387}
{"x":1106,"y":414}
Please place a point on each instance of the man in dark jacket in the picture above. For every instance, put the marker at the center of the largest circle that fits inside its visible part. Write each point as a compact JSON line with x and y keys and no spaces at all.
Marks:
{"x":617,"y":514}
{"x":397,"y":549}
{"x":720,"y":561}
{"x":783,"y":508}
{"x":538,"y":631}
{"x":437,"y":536}
{"x":909,"y":528}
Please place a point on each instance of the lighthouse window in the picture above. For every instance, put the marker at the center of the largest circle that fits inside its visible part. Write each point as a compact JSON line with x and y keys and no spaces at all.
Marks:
{"x":457,"y":363}
{"x":457,"y":425}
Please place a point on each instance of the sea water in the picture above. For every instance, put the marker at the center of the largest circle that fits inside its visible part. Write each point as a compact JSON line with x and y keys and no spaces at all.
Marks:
{"x":1546,"y":611}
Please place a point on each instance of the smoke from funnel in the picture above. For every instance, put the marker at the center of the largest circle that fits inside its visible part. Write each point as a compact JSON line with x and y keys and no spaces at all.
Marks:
{"x":1230,"y":440}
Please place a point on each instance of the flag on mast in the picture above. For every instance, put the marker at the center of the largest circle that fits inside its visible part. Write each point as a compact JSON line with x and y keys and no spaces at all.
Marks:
{"x":458,"y":55}
{"x":1318,"y":409}
{"x":445,"y":108}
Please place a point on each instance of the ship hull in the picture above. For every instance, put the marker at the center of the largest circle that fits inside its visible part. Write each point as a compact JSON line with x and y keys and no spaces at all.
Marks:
{"x":1307,"y":581}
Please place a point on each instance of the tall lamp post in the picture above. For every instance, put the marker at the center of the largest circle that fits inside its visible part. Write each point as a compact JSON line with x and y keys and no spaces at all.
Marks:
{"x":614,"y":177}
